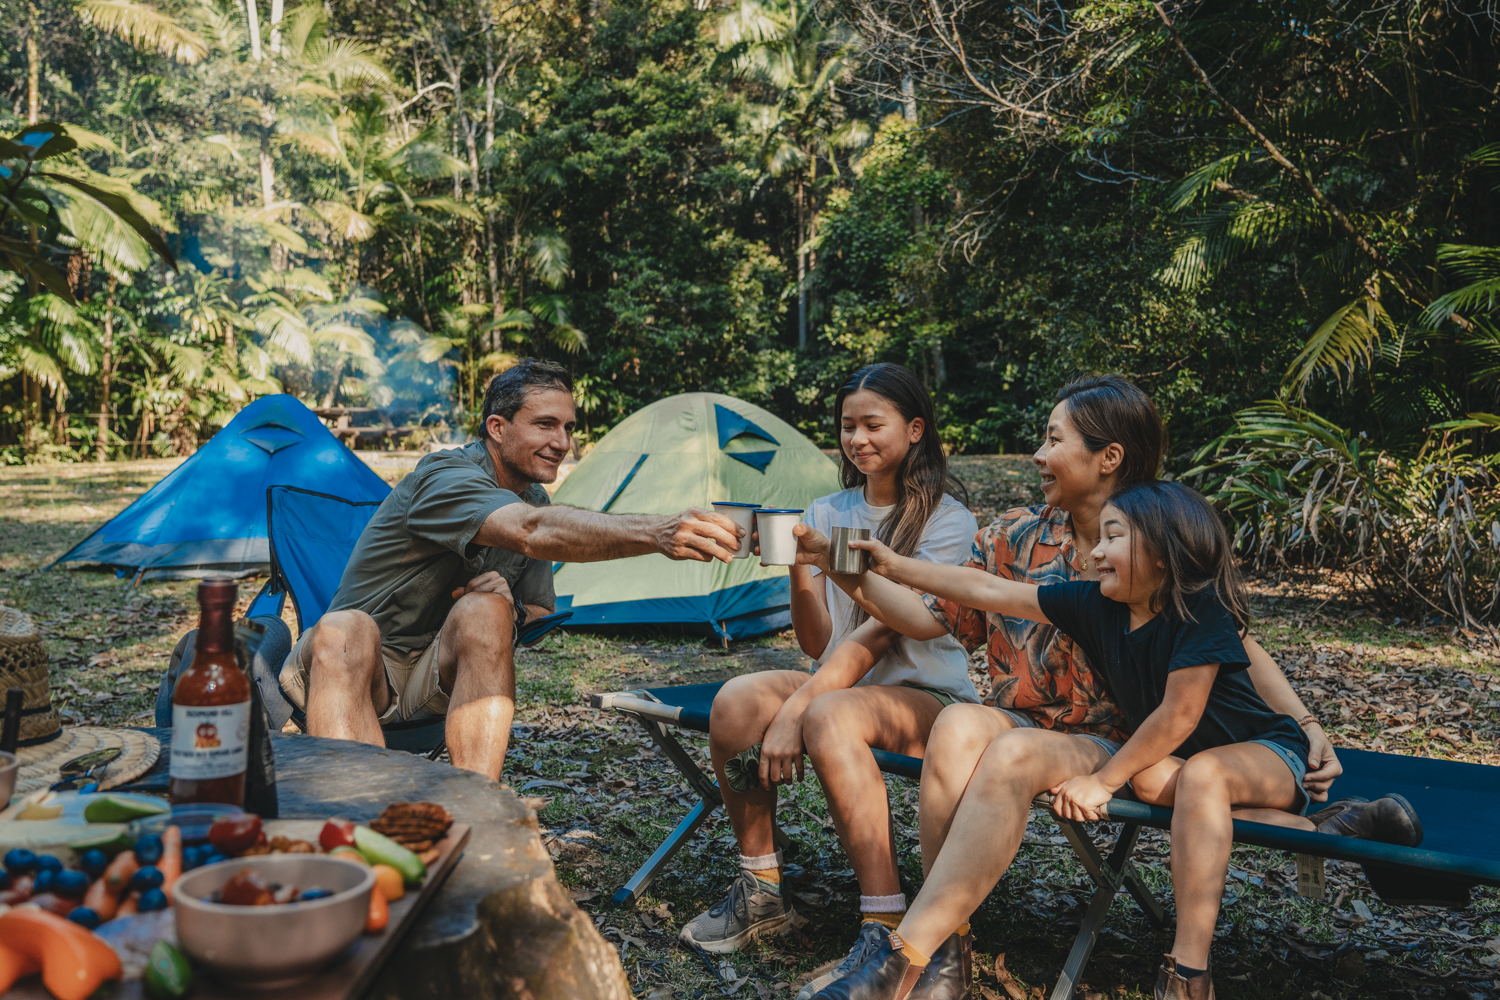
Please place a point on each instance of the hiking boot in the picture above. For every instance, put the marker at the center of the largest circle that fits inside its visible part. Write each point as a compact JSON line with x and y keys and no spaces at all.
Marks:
{"x":1171,"y":986}
{"x":1333,"y":809}
{"x":1389,"y":819}
{"x":872,"y":934}
{"x":948,"y":975}
{"x":740,"y":917}
{"x":885,"y":975}
{"x":888,"y":975}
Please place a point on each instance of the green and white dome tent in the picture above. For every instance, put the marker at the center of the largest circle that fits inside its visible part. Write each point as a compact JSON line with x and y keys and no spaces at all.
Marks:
{"x":690,"y":451}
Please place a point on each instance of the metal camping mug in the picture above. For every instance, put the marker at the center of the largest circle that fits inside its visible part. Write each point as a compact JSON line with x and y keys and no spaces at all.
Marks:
{"x":843,"y":559}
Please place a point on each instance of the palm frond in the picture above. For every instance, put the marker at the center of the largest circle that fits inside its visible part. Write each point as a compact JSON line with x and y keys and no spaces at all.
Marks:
{"x":145,"y":28}
{"x":551,"y":257}
{"x":1346,"y":339}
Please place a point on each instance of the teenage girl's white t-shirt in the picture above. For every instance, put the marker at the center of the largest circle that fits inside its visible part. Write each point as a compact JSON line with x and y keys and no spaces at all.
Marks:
{"x":941,"y":663}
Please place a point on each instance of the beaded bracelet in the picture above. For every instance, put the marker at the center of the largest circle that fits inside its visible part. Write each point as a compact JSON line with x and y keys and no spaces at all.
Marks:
{"x":1309,"y":717}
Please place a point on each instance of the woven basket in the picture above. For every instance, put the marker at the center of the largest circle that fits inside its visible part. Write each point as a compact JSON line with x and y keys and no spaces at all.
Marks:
{"x":23,"y":664}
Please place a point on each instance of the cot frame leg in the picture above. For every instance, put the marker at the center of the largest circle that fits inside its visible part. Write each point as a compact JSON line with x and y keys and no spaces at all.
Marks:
{"x":709,"y":799}
{"x":1110,"y":875}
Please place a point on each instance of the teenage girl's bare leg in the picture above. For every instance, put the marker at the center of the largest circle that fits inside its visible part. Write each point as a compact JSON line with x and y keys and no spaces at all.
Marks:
{"x":987,"y":827}
{"x":838,"y":730}
{"x":1209,"y":791}
{"x":742,"y":711}
{"x":959,"y":738}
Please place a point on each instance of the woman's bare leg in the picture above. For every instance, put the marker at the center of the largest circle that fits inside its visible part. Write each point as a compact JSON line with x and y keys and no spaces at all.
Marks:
{"x":741,"y":713}
{"x":959,"y":738}
{"x":1206,"y":791}
{"x":838,"y":730}
{"x":988,"y":825}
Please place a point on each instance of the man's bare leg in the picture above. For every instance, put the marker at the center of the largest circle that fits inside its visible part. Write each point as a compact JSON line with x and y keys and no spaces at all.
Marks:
{"x":476,"y":666}
{"x":346,"y":685}
{"x":742,"y":711}
{"x":838,"y":730}
{"x":959,"y":738}
{"x":988,"y":826}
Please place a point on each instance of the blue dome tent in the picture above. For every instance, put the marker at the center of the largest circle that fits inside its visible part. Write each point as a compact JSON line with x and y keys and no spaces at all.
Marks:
{"x":208,"y":516}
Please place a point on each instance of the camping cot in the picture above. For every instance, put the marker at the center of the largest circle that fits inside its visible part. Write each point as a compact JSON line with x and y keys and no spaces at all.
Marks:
{"x":1458,"y":803}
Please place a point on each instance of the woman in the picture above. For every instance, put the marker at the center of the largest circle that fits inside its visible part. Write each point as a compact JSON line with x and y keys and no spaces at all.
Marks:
{"x":870,"y":687}
{"x":1103,"y":434}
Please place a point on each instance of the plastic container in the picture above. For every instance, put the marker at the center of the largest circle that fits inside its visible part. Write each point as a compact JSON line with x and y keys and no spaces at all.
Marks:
{"x":193,"y":819}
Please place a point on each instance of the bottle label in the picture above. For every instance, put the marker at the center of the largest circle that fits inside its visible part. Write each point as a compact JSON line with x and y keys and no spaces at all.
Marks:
{"x":209,"y":741}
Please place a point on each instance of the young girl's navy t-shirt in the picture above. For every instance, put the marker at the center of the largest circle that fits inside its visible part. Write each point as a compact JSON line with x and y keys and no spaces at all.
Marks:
{"x":1136,"y":664}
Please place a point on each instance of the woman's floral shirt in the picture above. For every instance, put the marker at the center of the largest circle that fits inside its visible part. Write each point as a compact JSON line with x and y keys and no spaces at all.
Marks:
{"x":1034,"y":668}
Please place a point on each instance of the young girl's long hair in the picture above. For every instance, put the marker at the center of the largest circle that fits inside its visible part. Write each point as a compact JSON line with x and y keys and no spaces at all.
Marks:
{"x":1177,"y":527}
{"x":923,"y":476}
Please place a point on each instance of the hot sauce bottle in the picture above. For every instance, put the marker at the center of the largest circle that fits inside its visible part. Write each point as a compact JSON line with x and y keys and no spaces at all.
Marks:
{"x":211,"y":708}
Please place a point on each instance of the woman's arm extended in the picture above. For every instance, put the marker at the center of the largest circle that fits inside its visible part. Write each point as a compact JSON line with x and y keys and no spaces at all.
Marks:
{"x":896,"y":606}
{"x":1277,"y":692}
{"x":973,"y":588}
{"x":1084,"y":797}
{"x":782,"y":746}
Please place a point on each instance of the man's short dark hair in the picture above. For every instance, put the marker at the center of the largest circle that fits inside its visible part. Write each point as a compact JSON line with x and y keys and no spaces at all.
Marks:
{"x":508,"y":390}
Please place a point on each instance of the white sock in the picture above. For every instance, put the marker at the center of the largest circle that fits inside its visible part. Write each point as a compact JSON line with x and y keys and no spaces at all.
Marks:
{"x":883,"y":904}
{"x":761,"y":863}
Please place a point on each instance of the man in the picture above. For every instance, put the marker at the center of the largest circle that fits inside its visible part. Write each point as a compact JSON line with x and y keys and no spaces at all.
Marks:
{"x":456,"y":559}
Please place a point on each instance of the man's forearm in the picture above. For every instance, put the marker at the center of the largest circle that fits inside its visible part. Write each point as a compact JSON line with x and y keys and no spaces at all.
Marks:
{"x":569,"y":534}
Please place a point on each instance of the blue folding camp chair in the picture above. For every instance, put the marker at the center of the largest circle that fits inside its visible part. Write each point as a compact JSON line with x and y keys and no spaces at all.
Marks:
{"x":1459,"y":805}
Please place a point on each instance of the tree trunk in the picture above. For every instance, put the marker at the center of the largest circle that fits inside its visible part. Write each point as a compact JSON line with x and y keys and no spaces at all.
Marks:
{"x":252,"y":15}
{"x":801,"y":273}
{"x":908,"y":98}
{"x":101,"y":446}
{"x":333,"y":388}
{"x":277,"y":9}
{"x":33,"y":71}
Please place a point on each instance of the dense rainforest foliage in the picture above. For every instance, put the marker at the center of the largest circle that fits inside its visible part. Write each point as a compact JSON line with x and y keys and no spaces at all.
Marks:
{"x":1280,"y":218}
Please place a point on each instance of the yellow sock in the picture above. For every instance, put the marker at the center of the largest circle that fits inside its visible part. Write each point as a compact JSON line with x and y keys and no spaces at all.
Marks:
{"x":891,"y":920}
{"x":768,"y":875}
{"x":915,"y":957}
{"x":963,"y":930}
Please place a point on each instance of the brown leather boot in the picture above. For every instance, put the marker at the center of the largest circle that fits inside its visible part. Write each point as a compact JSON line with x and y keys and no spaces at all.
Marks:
{"x":948,"y":975}
{"x":1390,"y":819}
{"x":1171,"y":986}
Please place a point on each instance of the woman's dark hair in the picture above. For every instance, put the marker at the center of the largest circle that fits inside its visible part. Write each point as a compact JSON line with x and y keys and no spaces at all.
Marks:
{"x":923,"y":476}
{"x":1178,"y":528}
{"x":1111,"y":408}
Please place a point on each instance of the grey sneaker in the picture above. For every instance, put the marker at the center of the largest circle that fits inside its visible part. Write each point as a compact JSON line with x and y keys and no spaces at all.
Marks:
{"x":872,"y":934}
{"x":740,"y":917}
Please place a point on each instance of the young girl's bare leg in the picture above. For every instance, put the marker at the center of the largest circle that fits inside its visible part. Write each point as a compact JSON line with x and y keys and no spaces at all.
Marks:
{"x":1206,"y":791}
{"x":959,"y":738}
{"x":741,"y":713}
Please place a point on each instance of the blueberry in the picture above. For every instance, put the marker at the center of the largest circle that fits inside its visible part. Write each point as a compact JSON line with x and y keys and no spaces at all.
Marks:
{"x":310,"y":894}
{"x":192,"y":857}
{"x":84,"y":916}
{"x":148,"y":849}
{"x":70,"y":885}
{"x":20,"y":861}
{"x":93,"y":863}
{"x":47,"y":863}
{"x":43,"y":881}
{"x":5,"y":880}
{"x":145,"y":878}
{"x":152,"y":899}
{"x":212,"y":857}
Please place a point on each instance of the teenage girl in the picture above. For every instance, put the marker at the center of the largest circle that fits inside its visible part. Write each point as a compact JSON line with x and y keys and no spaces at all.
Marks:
{"x":1162,"y":624}
{"x":869,"y":687}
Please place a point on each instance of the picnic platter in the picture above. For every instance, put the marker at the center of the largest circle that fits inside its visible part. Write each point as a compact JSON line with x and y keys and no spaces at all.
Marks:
{"x":347,"y":977}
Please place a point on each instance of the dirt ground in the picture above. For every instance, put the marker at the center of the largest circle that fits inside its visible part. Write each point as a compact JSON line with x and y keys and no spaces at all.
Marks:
{"x":610,"y":796}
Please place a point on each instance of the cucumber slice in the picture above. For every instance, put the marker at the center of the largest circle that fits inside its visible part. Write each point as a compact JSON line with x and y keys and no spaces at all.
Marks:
{"x":379,"y":849}
{"x":168,"y":975}
{"x":107,"y":808}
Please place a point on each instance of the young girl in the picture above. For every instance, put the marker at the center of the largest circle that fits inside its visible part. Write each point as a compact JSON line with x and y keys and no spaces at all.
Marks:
{"x":1162,"y":625}
{"x":870,"y":687}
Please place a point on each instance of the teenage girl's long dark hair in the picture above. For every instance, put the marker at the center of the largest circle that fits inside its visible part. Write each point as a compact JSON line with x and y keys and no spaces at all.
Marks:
{"x":1177,"y":527}
{"x":923,"y":476}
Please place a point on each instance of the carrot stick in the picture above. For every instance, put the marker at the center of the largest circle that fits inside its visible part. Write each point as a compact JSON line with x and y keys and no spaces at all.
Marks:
{"x":171,"y":859}
{"x":117,"y":875}
{"x":129,"y":906}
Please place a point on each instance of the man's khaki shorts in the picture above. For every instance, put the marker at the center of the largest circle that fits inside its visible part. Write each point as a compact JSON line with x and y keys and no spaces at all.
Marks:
{"x":411,"y":678}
